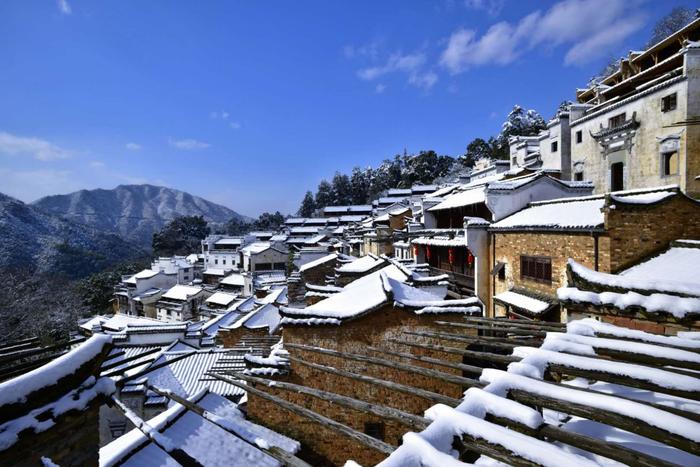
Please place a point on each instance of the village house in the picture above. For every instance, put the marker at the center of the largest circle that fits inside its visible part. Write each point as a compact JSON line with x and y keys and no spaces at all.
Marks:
{"x":637,"y":128}
{"x":443,"y":243}
{"x":221,"y":253}
{"x":180,"y":303}
{"x":530,"y":249}
{"x":263,"y":257}
{"x":351,"y":210}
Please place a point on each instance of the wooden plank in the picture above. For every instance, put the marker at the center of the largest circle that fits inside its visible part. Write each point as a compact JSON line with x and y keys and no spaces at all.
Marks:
{"x":414,"y":422}
{"x":12,"y":356}
{"x":413,"y":391}
{"x":439,"y":375}
{"x":519,"y":322}
{"x":496,"y":342}
{"x":324,"y":421}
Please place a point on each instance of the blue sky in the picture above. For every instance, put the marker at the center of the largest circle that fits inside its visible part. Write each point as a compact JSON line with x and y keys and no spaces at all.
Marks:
{"x":250,"y":104}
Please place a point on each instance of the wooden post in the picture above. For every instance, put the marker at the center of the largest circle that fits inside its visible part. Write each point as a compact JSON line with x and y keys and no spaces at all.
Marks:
{"x":494,"y":328}
{"x":435,"y":361}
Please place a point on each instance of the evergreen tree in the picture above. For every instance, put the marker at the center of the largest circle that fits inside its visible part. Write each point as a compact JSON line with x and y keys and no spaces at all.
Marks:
{"x":476,"y":150}
{"x":359,"y":185}
{"x":678,"y":18}
{"x":180,"y":236}
{"x":268,"y":221}
{"x":308,"y":205}
{"x":341,"y":189}
{"x":324,"y":195}
{"x":518,"y":123}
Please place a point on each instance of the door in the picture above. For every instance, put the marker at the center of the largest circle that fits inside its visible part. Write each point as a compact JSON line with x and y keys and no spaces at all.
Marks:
{"x":617,"y":182}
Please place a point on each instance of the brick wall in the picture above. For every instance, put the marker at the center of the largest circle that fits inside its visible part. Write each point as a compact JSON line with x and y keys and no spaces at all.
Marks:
{"x":356,"y":336}
{"x":639,"y":231}
{"x":317,"y":274}
{"x":558,"y":245}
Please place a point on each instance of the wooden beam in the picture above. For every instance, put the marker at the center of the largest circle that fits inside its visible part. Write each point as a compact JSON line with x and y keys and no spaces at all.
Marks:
{"x":154,"y":436}
{"x":495,"y":342}
{"x":439,"y":375}
{"x":422,"y":393}
{"x":414,"y":422}
{"x":631,"y":339}
{"x":634,"y":425}
{"x":285,"y":457}
{"x":12,"y":356}
{"x":435,"y":361}
{"x":6,"y":344}
{"x":493,"y":357}
{"x":518,"y":322}
{"x":493,"y":328}
{"x":324,"y":421}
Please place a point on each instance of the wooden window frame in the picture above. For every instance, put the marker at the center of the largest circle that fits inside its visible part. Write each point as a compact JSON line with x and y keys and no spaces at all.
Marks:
{"x":527,"y":274}
{"x":554,"y":146}
{"x":617,"y":120}
{"x":375,"y":430}
{"x":669,"y":102}
{"x":579,"y":137}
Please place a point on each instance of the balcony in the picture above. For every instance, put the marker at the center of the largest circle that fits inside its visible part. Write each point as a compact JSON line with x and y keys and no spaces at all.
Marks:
{"x":459,"y":283}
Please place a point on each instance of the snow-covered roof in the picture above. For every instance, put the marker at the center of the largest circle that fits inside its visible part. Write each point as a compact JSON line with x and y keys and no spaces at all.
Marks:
{"x":442,"y":191}
{"x":524,"y":302}
{"x":229,"y":241}
{"x":265,"y":316}
{"x":221,"y":298}
{"x":462,"y":198}
{"x":255,"y":248}
{"x":457,"y":241}
{"x":318,"y":262}
{"x":304,"y":230}
{"x":568,"y":213}
{"x":348,"y":209}
{"x":215,"y":271}
{"x":181,"y":292}
{"x":676,"y":269}
{"x":233,"y":279}
{"x":118,"y":322}
{"x":199,"y":437}
{"x":360,"y":265}
{"x":145,"y":274}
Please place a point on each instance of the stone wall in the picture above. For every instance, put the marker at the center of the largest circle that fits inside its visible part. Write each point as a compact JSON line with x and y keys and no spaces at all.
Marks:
{"x":74,"y":440}
{"x":357,"y":337}
{"x":317,"y":274}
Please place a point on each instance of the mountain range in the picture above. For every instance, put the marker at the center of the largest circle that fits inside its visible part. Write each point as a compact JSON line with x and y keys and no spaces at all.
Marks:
{"x":40,"y":242}
{"x":134,"y":212}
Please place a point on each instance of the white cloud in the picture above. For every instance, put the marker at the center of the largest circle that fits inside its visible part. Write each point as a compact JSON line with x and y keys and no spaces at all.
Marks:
{"x":38,"y":148}
{"x":492,"y":7}
{"x":408,"y":63}
{"x":423,"y":80}
{"x":97,"y":164}
{"x":188,"y":144}
{"x":235,"y":125}
{"x":590,"y":28}
{"x":29,"y":185}
{"x":380,"y":88}
{"x":64,"y":7}
{"x":133,"y":146}
{"x":223,"y":115}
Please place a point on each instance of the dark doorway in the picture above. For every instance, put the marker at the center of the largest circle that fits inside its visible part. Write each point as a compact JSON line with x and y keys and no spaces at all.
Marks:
{"x":616,"y":176}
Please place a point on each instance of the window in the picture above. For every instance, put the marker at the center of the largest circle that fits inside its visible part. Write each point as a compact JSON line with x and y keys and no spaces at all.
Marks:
{"x":375,"y":430}
{"x":617,"y":178}
{"x":579,"y":136}
{"x":502,"y":273}
{"x":578,"y":176}
{"x":216,"y":261}
{"x":669,"y":163}
{"x":668,"y":103}
{"x":537,"y":268}
{"x":555,"y":146}
{"x":223,"y":261}
{"x":515,"y":161}
{"x":117,"y":428}
{"x":616,"y":121}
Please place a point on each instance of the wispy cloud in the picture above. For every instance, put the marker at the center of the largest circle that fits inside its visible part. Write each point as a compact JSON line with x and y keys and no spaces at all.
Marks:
{"x":380,"y":88}
{"x":64,"y":7}
{"x":235,"y":125}
{"x":35,"y":147}
{"x":223,"y":115}
{"x":412,"y":65}
{"x":97,"y":164}
{"x":492,"y":7}
{"x":588,"y":28}
{"x":188,"y":144}
{"x":132,"y":146}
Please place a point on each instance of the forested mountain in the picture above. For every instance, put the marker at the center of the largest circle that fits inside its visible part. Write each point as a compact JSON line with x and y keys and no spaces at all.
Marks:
{"x":135,"y":212}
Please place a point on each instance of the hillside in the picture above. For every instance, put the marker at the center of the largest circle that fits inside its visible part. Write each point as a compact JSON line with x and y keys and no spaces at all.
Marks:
{"x":134,"y":211}
{"x":41,"y":242}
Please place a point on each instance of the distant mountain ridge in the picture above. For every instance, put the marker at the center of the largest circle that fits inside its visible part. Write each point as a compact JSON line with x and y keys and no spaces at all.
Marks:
{"x":134,"y":212}
{"x":40,"y":242}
